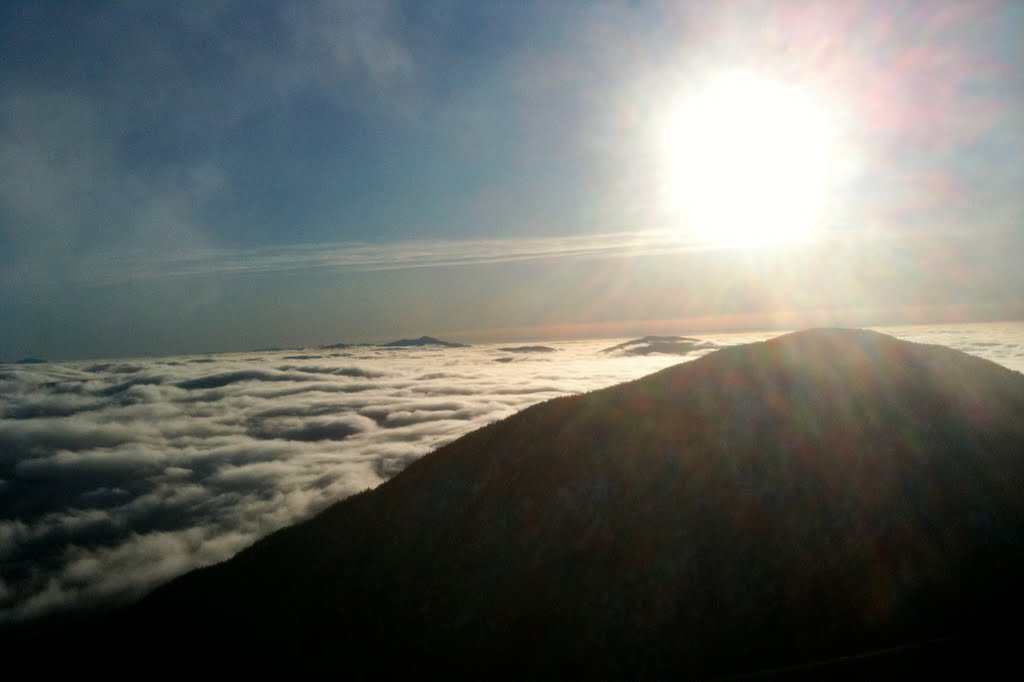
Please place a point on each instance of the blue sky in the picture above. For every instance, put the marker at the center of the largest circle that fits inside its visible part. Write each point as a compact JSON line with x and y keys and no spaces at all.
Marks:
{"x":187,"y":177}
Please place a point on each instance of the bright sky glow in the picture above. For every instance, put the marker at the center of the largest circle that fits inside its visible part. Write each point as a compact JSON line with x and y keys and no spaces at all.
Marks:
{"x":185,"y":177}
{"x":749,"y":160}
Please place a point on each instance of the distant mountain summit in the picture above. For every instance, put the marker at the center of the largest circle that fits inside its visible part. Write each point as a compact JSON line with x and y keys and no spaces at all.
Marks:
{"x":422,"y":341}
{"x":785,"y":505}
{"x":666,"y":345}
{"x":400,"y":343}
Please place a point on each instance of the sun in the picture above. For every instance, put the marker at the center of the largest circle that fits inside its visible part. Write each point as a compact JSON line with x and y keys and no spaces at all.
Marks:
{"x":748,"y":161}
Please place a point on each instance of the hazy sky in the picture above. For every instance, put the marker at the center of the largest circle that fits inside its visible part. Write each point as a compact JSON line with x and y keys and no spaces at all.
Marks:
{"x":184,"y":177}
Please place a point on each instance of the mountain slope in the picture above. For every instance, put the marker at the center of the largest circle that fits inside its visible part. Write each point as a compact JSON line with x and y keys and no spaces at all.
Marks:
{"x":817,"y":495}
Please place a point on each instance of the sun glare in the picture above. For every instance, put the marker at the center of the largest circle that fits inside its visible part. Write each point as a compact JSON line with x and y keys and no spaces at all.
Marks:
{"x":748,"y":161}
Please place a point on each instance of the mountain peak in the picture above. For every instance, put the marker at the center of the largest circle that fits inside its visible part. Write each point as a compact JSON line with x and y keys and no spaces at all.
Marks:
{"x":422,"y":341}
{"x":809,"y":498}
{"x":666,"y":345}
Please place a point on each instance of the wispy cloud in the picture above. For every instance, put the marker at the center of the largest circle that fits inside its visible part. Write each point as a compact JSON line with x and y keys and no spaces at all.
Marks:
{"x":393,"y":256}
{"x":412,"y":254}
{"x":69,"y":184}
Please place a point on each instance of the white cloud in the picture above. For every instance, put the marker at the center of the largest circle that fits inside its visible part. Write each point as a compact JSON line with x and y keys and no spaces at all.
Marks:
{"x":145,"y":469}
{"x":120,"y":490}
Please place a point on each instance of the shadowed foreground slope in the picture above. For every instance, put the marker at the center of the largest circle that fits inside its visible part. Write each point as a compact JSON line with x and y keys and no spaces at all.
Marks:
{"x":817,"y":495}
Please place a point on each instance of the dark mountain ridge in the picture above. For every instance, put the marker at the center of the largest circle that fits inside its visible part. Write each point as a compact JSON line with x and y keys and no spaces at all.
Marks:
{"x":665,"y":345}
{"x":808,"y":498}
{"x":422,"y":341}
{"x":399,"y":343}
{"x":528,"y":349}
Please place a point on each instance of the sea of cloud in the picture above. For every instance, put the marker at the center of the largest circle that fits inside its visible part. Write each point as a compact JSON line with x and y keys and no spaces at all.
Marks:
{"x":118,"y":475}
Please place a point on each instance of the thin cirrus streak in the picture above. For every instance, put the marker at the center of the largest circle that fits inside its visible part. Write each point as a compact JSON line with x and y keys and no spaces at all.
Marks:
{"x":390,"y":256}
{"x":403,"y":255}
{"x":118,"y":475}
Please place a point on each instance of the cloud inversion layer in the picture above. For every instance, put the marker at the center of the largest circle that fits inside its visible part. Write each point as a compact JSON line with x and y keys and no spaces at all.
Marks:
{"x":116,"y":476}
